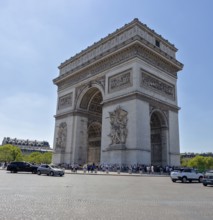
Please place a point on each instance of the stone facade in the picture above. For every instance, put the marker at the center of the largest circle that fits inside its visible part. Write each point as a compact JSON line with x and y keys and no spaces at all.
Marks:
{"x":117,"y":101}
{"x":28,"y":146}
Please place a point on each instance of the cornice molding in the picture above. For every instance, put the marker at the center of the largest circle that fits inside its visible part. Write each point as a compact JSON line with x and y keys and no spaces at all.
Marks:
{"x":131,"y":51}
{"x":78,"y":112}
{"x":138,"y":95}
{"x":134,"y":95}
{"x":127,"y":32}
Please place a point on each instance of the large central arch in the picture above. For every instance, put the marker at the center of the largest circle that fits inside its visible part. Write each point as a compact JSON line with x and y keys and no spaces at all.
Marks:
{"x":91,"y":104}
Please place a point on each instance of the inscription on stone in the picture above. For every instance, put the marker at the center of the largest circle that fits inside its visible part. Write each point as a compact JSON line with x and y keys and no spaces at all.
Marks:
{"x":120,"y":81}
{"x":65,"y":101}
{"x":160,"y":86}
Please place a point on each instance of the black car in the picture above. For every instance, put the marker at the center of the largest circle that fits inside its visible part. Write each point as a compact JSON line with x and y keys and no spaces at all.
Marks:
{"x":208,"y":178}
{"x":15,"y":167}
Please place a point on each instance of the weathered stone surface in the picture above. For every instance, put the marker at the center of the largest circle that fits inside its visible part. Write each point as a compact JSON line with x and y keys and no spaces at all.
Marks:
{"x":135,"y":70}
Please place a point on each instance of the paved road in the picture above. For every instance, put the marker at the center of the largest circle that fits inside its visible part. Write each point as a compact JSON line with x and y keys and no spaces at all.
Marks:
{"x":27,"y":196}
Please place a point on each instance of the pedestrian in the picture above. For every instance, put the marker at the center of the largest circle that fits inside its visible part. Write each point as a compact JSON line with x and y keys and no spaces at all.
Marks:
{"x":152,"y":169}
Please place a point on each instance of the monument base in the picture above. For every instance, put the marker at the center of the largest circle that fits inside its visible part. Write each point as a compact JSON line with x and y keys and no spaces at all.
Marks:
{"x":116,"y":147}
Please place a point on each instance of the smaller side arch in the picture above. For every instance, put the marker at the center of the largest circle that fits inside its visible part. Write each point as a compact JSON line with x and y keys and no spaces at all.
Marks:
{"x":162,"y":117}
{"x":159,"y":137}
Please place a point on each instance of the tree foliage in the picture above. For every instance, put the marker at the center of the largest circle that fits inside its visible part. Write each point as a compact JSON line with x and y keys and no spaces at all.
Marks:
{"x":39,"y":158}
{"x":200,"y":162}
{"x":9,"y":153}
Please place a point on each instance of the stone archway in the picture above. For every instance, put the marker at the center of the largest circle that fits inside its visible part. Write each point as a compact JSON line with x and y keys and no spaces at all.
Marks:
{"x":91,"y":104}
{"x":94,"y":143}
{"x":158,"y":139}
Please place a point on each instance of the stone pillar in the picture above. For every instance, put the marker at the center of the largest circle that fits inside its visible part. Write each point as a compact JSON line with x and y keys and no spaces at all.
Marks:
{"x":174,"y":148}
{"x":80,"y":140}
{"x":165,"y":151}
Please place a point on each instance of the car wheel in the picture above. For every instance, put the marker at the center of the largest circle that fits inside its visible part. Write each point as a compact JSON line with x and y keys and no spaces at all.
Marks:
{"x":200,"y":179}
{"x":184,"y":179}
{"x":39,"y":172}
{"x":51,"y":173}
{"x":204,"y":184}
{"x":190,"y":181}
{"x":173,"y":181}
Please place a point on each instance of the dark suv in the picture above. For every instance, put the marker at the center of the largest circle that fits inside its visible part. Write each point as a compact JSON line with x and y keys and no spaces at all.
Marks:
{"x":15,"y":167}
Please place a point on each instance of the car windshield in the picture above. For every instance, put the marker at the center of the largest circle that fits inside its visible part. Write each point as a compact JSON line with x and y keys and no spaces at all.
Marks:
{"x":209,"y":171}
{"x":53,"y":166}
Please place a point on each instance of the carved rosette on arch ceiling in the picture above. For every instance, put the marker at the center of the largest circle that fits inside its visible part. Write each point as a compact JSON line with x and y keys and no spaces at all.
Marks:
{"x":61,"y":136}
{"x":118,"y":122}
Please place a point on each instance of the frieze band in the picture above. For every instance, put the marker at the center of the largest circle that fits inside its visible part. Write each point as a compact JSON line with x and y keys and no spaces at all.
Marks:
{"x":120,"y":81}
{"x":137,"y":30}
{"x":154,"y":83}
{"x":116,"y":59}
{"x":65,"y":101}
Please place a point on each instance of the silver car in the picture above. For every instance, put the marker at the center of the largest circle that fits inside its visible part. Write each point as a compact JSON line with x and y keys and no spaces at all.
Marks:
{"x":49,"y":170}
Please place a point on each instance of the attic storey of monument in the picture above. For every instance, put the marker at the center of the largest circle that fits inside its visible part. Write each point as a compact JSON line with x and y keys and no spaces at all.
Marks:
{"x":117,"y":101}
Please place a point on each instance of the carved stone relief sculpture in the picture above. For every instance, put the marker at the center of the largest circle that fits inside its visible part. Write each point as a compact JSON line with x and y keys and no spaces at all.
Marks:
{"x":118,"y":122}
{"x":65,"y":101}
{"x":158,"y":85}
{"x":61,"y":136}
{"x":120,"y":81}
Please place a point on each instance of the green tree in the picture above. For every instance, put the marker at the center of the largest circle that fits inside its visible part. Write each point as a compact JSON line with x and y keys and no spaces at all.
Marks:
{"x":201,"y":163}
{"x":35,"y":157}
{"x":38,"y":158}
{"x":209,"y":162}
{"x":10,"y":153}
{"x":47,"y":157}
{"x":184,"y":162}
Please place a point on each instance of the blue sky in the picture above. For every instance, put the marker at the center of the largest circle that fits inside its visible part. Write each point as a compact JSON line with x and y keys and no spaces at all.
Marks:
{"x":37,"y":35}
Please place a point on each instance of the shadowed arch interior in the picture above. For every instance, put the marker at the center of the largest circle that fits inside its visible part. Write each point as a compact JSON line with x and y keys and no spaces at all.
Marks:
{"x":94,"y":143}
{"x":157,"y":123}
{"x":91,"y":103}
{"x":92,"y":98}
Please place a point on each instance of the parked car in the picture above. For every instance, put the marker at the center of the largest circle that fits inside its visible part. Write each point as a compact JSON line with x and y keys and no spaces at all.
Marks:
{"x":15,"y":167}
{"x":208,"y":178}
{"x":50,"y":170}
{"x":186,"y":175}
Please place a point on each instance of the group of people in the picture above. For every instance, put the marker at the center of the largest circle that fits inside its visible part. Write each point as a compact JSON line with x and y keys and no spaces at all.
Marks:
{"x":3,"y":164}
{"x":132,"y":168}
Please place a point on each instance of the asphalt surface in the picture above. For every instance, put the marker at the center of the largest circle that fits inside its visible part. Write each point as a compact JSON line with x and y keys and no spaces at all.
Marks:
{"x":29,"y":196}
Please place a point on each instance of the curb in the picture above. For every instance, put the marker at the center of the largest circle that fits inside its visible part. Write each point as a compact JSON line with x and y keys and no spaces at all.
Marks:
{"x":115,"y":174}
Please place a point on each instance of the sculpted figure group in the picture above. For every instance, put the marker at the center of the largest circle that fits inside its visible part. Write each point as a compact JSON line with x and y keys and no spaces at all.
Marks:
{"x":118,"y":122}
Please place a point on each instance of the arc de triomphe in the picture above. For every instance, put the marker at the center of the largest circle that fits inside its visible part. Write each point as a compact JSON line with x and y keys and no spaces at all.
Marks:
{"x":117,"y":101}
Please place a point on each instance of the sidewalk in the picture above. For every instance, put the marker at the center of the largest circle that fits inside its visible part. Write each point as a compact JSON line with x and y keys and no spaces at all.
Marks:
{"x":81,"y":172}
